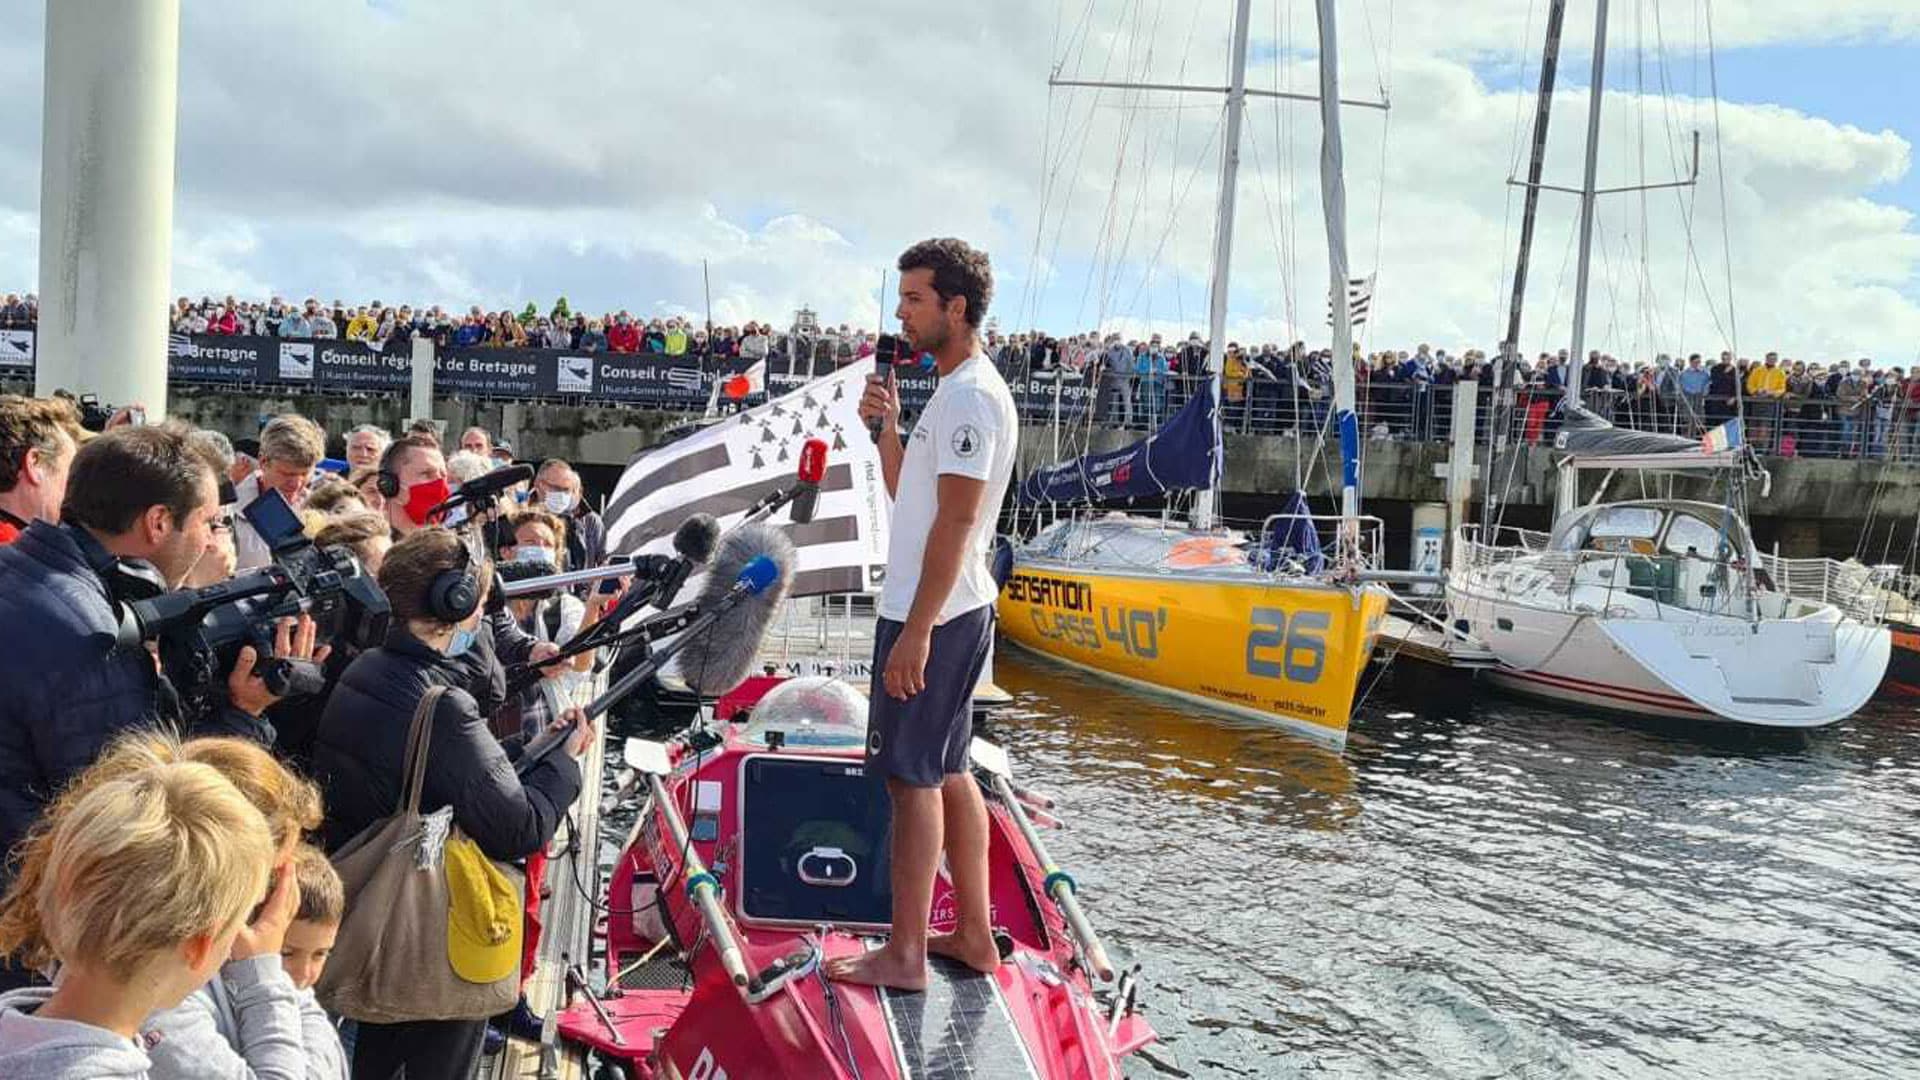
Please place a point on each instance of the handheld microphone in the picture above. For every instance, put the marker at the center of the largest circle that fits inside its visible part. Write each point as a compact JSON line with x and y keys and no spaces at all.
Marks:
{"x":483,"y":487}
{"x":886,"y":353}
{"x":813,"y":466}
{"x":722,"y":627}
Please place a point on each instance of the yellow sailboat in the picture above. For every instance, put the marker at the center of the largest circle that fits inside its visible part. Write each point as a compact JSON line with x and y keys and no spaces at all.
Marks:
{"x":1264,"y":625}
{"x":1190,"y":615}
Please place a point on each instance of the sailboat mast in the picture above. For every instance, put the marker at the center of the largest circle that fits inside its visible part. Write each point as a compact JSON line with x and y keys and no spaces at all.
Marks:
{"x":1333,"y":201}
{"x":1504,"y":373}
{"x":1206,"y":506}
{"x":1587,"y":191}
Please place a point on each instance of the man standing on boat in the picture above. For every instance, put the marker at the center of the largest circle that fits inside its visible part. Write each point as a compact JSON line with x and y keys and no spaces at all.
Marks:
{"x":936,"y":612}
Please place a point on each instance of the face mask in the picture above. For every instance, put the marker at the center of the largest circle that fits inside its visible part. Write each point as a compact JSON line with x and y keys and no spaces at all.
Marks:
{"x":559,"y":502}
{"x":422,"y":498}
{"x":462,"y":641}
{"x":531,"y":553}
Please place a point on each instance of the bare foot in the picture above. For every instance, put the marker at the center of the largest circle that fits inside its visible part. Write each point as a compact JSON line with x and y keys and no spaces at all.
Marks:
{"x":972,"y":948}
{"x":885,"y":966}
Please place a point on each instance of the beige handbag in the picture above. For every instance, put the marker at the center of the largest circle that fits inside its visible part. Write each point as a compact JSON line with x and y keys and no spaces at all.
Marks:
{"x":408,"y":920}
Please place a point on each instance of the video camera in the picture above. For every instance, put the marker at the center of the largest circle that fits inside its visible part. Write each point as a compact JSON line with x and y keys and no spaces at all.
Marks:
{"x":95,"y":416}
{"x":200,"y":632}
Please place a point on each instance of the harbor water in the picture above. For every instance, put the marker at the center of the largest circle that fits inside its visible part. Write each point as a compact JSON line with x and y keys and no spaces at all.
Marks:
{"x":1501,"y":890}
{"x":1496,"y":889}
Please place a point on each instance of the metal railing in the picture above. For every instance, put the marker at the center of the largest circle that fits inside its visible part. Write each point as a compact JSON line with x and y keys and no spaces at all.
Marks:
{"x":1860,"y":592}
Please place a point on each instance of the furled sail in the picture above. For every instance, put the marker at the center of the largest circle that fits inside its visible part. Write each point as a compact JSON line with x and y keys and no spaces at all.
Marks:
{"x":1181,"y":456}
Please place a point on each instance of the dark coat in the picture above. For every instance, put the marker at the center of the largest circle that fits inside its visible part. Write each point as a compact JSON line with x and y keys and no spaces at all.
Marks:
{"x":70,"y":686}
{"x":360,"y":751}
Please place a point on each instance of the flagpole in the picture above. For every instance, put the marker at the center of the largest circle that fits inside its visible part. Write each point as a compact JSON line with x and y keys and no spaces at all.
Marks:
{"x":707,"y":360}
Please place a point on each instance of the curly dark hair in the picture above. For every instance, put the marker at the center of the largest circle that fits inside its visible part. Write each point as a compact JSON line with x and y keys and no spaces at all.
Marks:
{"x":958,"y":268}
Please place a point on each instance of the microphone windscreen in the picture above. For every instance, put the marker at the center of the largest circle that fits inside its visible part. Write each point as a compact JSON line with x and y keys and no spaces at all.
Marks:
{"x":813,"y":461}
{"x":714,"y":660}
{"x":694,"y":540}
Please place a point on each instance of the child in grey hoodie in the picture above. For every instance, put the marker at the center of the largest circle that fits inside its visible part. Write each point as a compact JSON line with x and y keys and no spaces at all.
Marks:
{"x":147,"y":885}
{"x":257,"y":1019}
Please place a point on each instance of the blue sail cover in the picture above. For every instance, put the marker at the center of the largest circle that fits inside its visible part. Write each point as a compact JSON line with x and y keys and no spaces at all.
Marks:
{"x":1182,"y":455}
{"x":1291,"y":537}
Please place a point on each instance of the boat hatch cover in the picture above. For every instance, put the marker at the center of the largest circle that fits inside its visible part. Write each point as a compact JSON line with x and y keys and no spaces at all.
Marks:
{"x":959,"y":1027}
{"x":813,"y":843}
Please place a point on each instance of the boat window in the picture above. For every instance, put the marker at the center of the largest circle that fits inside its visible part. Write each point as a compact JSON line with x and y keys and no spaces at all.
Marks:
{"x":1690,"y":535}
{"x":1626,"y":522}
{"x":813,"y":842}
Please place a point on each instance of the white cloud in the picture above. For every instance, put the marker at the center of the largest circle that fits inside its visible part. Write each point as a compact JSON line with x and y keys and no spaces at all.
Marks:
{"x":484,"y":153}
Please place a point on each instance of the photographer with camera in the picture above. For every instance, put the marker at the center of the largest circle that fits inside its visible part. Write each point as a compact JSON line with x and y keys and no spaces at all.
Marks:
{"x":139,"y":511}
{"x":37,"y":442}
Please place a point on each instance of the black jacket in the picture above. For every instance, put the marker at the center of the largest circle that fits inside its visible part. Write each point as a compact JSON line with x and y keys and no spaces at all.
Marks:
{"x":69,"y":687}
{"x":360,"y":750}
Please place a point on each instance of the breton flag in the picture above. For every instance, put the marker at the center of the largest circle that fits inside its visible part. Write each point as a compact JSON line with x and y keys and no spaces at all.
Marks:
{"x":1359,"y":299}
{"x":1727,"y":436}
{"x":723,"y":468}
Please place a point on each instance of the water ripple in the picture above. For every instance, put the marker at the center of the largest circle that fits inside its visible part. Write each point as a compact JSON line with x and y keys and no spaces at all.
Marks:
{"x":1513,"y":892}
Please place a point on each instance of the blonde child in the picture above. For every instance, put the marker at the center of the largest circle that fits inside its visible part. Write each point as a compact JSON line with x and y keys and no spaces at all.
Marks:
{"x":145,"y":885}
{"x":304,"y":953}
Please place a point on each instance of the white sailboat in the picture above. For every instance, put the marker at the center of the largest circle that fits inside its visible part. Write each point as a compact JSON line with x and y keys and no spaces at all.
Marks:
{"x":1658,"y":607}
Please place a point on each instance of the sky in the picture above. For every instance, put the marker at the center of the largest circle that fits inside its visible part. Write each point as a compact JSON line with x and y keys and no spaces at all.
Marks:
{"x":494,"y":152}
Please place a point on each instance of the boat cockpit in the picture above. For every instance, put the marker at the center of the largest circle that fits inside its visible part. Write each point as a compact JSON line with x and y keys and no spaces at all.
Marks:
{"x":1672,"y":553}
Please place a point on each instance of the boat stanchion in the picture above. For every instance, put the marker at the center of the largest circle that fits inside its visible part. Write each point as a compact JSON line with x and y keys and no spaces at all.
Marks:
{"x":577,"y":979}
{"x":1058,"y":884}
{"x":703,"y":889}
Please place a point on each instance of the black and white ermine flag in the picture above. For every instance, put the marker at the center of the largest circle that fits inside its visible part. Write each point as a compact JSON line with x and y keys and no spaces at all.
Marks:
{"x":722,"y":469}
{"x":1359,"y":299}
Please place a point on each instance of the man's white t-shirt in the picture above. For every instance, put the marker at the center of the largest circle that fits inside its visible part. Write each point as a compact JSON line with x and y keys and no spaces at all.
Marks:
{"x":969,"y":428}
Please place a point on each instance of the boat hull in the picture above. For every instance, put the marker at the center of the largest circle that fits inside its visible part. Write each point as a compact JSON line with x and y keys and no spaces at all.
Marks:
{"x":1643,"y":667}
{"x":1282,"y":652}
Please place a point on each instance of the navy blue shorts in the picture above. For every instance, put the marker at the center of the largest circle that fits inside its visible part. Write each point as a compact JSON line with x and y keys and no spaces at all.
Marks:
{"x":923,"y":740}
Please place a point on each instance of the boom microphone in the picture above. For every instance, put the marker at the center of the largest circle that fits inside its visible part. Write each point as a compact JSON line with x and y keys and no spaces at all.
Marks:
{"x":750,"y":574}
{"x":722,"y":628}
{"x":485,"y":487}
{"x":813,"y":466}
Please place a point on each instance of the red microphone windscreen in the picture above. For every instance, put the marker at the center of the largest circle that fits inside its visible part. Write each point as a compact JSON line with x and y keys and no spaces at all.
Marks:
{"x":813,"y":461}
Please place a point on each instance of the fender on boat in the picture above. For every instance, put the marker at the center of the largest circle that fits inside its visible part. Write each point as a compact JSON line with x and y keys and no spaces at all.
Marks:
{"x":1778,"y":673}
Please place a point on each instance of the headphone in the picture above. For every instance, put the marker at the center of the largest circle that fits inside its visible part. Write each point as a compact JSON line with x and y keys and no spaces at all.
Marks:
{"x":385,"y":480}
{"x":454,"y":594}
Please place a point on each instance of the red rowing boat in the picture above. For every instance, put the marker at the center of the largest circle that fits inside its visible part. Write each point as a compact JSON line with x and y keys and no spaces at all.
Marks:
{"x":761,"y":853}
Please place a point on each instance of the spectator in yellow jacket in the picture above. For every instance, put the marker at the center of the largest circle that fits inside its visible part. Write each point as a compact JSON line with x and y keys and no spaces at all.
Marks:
{"x":1768,"y":380}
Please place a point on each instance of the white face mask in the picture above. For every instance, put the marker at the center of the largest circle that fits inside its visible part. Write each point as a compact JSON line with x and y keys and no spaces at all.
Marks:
{"x":533,"y":553}
{"x":559,"y":502}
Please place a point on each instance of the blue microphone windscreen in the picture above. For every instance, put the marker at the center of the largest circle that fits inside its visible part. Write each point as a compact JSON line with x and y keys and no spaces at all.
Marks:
{"x":759,"y":573}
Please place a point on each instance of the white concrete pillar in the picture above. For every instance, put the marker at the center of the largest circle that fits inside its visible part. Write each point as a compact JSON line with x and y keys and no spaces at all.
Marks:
{"x":421,"y":405}
{"x":106,"y":199}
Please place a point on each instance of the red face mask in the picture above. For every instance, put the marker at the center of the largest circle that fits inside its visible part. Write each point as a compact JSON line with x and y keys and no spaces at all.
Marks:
{"x":424,"y":497}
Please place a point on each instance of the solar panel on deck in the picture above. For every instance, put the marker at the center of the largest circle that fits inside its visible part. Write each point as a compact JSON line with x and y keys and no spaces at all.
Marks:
{"x":958,"y":1029}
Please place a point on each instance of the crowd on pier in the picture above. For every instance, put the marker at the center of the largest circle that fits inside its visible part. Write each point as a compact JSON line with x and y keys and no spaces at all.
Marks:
{"x":177,"y":791}
{"x":1837,"y":408}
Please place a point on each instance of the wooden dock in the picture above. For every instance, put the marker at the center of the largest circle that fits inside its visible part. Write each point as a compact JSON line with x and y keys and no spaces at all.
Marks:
{"x":567,"y":933}
{"x":1409,"y":637}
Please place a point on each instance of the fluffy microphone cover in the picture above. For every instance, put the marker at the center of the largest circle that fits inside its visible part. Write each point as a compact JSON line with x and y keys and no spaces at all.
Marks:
{"x":696,"y":537}
{"x":717,"y":658}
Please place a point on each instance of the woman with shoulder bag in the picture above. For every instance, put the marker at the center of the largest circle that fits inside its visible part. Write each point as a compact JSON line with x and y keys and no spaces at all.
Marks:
{"x":376,"y":779}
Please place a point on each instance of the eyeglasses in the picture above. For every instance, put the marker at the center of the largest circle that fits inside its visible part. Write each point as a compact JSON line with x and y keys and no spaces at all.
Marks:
{"x":221,"y":522}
